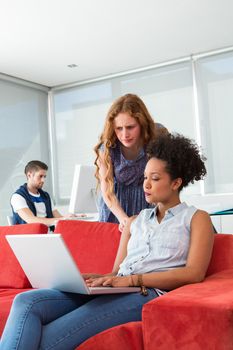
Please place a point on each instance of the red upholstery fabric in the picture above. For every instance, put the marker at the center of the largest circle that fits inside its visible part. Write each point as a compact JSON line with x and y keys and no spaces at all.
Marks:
{"x":11,"y":273}
{"x":6,"y":297}
{"x":92,"y":244}
{"x":124,"y":337}
{"x":222,"y":256}
{"x":194,"y":317}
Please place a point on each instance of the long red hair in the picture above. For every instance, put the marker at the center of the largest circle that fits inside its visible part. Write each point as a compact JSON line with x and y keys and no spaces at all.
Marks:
{"x":136,"y":108}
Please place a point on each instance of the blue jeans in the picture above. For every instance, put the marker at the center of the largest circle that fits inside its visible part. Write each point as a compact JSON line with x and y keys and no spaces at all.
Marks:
{"x":50,"y":319}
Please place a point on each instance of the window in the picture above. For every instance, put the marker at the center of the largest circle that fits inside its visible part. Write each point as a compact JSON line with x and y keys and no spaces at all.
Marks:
{"x":168,"y":92}
{"x":80,"y":113}
{"x":215,"y":91}
{"x":23,"y":125}
{"x":79,"y":118}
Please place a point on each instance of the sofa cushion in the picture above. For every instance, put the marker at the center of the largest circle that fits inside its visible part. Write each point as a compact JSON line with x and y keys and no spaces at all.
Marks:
{"x":7,"y":297}
{"x":11,"y":273}
{"x":222,"y":256}
{"x":92,"y":244}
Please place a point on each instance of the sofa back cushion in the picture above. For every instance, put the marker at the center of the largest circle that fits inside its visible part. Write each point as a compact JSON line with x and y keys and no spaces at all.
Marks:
{"x":222,"y":256}
{"x":93,"y":245}
{"x":11,"y":273}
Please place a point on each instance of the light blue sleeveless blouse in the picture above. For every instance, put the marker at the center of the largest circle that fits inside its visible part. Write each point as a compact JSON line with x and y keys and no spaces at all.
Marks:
{"x":155,"y":246}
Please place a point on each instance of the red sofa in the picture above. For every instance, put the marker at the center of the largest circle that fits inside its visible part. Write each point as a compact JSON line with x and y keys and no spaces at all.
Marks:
{"x":194,"y":317}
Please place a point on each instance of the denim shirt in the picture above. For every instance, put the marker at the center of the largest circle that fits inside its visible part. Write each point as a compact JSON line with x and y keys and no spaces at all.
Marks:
{"x":155,"y":246}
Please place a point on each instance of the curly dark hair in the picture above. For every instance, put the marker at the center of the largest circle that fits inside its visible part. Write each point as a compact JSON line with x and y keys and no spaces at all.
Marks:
{"x":182,"y":156}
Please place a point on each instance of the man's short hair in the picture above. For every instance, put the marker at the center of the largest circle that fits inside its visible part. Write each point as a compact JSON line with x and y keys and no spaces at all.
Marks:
{"x":35,"y":165}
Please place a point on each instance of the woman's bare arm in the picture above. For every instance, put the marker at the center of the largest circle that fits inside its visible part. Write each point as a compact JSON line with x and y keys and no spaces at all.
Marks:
{"x":111,"y":201}
{"x":201,"y":245}
{"x":122,"y":249}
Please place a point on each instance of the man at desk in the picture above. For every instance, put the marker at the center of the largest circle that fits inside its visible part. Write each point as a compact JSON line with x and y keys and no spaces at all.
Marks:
{"x":30,"y":204}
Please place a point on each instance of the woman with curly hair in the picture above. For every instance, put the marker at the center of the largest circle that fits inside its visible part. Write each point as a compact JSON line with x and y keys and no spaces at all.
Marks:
{"x":163,"y":248}
{"x":121,"y":158}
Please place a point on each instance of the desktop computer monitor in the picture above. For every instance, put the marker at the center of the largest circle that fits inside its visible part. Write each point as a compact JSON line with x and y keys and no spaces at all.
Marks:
{"x":83,"y":193}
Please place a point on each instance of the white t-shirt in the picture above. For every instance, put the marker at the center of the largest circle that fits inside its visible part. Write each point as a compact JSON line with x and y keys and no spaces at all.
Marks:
{"x":18,"y":202}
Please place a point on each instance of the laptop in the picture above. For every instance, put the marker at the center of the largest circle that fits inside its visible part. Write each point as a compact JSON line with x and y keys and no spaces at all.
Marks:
{"x":48,"y":263}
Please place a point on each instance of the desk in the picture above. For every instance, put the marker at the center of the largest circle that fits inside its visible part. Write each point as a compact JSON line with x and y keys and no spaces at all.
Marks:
{"x":88,"y":217}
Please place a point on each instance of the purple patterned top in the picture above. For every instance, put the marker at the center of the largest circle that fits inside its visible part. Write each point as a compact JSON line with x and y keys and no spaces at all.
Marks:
{"x":128,"y":180}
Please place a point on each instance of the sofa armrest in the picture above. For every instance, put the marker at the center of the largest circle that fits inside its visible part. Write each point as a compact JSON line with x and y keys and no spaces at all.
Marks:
{"x":195,"y":316}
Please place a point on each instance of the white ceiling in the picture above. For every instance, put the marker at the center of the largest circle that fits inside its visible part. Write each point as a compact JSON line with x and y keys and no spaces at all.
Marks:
{"x":39,"y":38}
